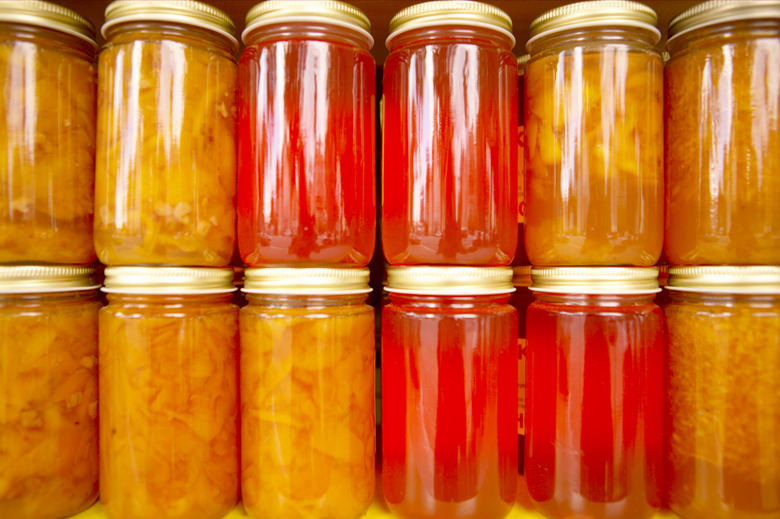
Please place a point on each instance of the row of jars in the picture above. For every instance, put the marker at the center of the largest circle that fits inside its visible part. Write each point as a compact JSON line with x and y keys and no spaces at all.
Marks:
{"x":157,"y":130}
{"x":197,"y":404}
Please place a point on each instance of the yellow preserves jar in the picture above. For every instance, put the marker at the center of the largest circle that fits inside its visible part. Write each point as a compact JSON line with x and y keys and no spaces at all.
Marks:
{"x":307,"y":393}
{"x":47,"y":134}
{"x":166,"y":151}
{"x":722,"y":94}
{"x":168,"y":393}
{"x":723,"y":382}
{"x":594,"y":136}
{"x":48,"y":391}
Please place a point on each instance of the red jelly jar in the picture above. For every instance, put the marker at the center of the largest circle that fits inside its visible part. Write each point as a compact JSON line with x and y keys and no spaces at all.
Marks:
{"x":306,"y":159}
{"x":449,"y":393}
{"x":450,"y":136}
{"x":594,"y":392}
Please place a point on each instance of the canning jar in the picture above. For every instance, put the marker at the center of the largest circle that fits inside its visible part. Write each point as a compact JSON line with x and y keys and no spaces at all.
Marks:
{"x":47,"y":134}
{"x":48,"y":391}
{"x":723,"y":379}
{"x":449,"y":143}
{"x":449,"y":393}
{"x":166,"y":152}
{"x":307,"y":393}
{"x":168,"y":393}
{"x":307,"y":95}
{"x":722,"y":92}
{"x":594,"y":393}
{"x":594,"y":136}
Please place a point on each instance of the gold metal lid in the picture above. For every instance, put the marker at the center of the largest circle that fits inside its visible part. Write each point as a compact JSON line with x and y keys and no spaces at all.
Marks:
{"x":306,"y":281}
{"x":521,"y":63}
{"x":450,"y":281}
{"x":726,"y":280}
{"x":595,"y":280}
{"x":188,"y":12}
{"x":719,"y":11}
{"x":522,"y":276}
{"x":326,"y":11}
{"x":34,"y":279}
{"x":595,"y":13}
{"x":168,"y":280}
{"x":51,"y":16}
{"x":450,"y":12}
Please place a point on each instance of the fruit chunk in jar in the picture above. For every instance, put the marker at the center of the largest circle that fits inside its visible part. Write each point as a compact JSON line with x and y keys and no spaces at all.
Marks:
{"x":48,"y":408}
{"x":166,"y":158}
{"x":307,"y":392}
{"x":594,"y":151}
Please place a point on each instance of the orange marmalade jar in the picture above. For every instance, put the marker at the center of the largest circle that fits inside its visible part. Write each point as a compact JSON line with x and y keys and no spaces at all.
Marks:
{"x":722,"y":92}
{"x":48,"y":391}
{"x":165,"y":181}
{"x":307,"y":393}
{"x":723,"y":381}
{"x":168,"y":393}
{"x":594,"y":136}
{"x":450,"y":136}
{"x":47,"y":134}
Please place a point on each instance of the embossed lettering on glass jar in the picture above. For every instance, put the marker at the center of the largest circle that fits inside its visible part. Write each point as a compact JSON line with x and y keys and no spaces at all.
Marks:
{"x":166,"y":152}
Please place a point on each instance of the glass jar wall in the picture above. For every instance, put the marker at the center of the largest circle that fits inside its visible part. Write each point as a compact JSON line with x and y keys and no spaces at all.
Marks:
{"x":47,"y":134}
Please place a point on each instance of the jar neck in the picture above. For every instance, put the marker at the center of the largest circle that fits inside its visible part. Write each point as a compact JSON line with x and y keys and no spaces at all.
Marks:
{"x":681,"y":296}
{"x":638,"y":38}
{"x":448,"y":34}
{"x":169,"y":299}
{"x":76,"y":296}
{"x":44,"y":37}
{"x":448,"y":301}
{"x":288,"y":31}
{"x":595,"y":299}
{"x":182,"y":33}
{"x":718,"y":35}
{"x":305,"y":301}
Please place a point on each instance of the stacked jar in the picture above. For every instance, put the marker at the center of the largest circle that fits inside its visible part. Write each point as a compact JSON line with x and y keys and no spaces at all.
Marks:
{"x":593,"y":232}
{"x":449,"y":232}
{"x":306,"y":231}
{"x":723,"y":241}
{"x":48,"y":304}
{"x":165,"y":187}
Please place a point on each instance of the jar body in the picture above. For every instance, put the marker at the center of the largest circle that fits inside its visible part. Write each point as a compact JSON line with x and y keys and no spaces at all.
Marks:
{"x":166,"y":150}
{"x":307,"y":395}
{"x":594,"y":405}
{"x":168,"y":406}
{"x":48,"y":158}
{"x":450,"y":148}
{"x":306,"y":148}
{"x":723,"y":145}
{"x":594,"y":149}
{"x":449,"y":406}
{"x":723,"y":376}
{"x":48,"y":404}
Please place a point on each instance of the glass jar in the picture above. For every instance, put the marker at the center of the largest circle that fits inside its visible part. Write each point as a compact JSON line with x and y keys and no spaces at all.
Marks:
{"x":307,"y":394}
{"x":48,"y":391}
{"x":594,"y":393}
{"x":168,"y":393}
{"x":306,"y":143}
{"x":723,"y":382}
{"x":449,"y":393}
{"x":166,"y":151}
{"x":47,"y":134}
{"x":722,"y":91}
{"x":449,"y":143}
{"x":594,"y":136}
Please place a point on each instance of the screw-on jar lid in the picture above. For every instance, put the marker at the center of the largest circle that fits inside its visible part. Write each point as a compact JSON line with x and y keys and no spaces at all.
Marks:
{"x":325,"y":11}
{"x":595,"y":13}
{"x":726,"y":279}
{"x":719,"y":11}
{"x":522,"y":61}
{"x":450,"y":281}
{"x":306,"y":281}
{"x":188,"y":12}
{"x":595,"y":280}
{"x":168,"y":280}
{"x":522,"y":276}
{"x":51,"y":16}
{"x":35,"y":279}
{"x":451,"y":12}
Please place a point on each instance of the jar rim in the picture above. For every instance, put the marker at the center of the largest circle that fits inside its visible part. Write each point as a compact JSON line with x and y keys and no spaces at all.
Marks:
{"x":595,"y":280}
{"x":32,"y":279}
{"x":725,"y":279}
{"x":314,"y":281}
{"x":449,"y":281}
{"x":51,"y":16}
{"x":169,"y":280}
